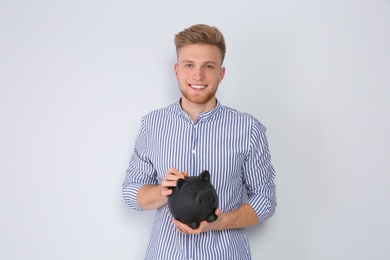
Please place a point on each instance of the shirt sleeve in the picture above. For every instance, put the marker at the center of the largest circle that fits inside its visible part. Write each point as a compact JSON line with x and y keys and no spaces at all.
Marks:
{"x":140,"y":171}
{"x":259,"y":175}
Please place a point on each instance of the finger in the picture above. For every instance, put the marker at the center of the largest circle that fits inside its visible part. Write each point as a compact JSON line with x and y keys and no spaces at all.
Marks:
{"x":173,"y":172}
{"x":168,"y":183}
{"x":166,"y":191}
{"x":170,"y":180}
{"x":185,"y":229}
{"x":218,"y":212}
{"x":182,"y":231}
{"x":179,"y":226}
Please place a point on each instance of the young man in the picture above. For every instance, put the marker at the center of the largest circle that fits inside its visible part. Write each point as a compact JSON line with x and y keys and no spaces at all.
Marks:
{"x":195,"y":134}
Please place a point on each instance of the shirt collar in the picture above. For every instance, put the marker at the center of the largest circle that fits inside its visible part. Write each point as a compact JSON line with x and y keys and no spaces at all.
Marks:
{"x":202,"y":116}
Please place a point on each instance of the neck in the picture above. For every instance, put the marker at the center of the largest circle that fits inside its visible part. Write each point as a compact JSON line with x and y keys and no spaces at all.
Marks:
{"x":193,"y":109}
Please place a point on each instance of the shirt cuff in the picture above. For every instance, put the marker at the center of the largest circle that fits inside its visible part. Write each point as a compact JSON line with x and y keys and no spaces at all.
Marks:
{"x":130,"y":195}
{"x":264,"y":206}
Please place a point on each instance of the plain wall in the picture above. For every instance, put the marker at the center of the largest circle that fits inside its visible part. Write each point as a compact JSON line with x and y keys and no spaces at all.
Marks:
{"x":76,"y":77}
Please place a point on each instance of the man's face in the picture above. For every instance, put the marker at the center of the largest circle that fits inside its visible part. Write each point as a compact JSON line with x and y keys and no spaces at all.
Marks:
{"x":199,"y":73}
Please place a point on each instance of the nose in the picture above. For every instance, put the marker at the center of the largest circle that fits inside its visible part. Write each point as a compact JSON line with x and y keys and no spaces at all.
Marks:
{"x":205,"y":200}
{"x":198,"y":74}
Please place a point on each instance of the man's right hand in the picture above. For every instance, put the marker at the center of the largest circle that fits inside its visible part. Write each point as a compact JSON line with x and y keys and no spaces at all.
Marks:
{"x":170,"y":180}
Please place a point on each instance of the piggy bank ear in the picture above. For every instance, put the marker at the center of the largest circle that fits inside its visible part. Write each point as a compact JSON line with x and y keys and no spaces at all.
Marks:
{"x":205,"y":176}
{"x":180,"y":183}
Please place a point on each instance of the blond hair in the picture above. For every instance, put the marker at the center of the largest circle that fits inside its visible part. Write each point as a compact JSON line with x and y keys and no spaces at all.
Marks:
{"x":201,"y":34}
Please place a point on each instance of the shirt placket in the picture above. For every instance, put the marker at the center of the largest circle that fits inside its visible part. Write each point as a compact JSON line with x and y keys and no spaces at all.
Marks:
{"x":194,"y":150}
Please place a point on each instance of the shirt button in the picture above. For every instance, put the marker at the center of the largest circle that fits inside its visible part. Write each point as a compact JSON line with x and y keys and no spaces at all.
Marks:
{"x":195,"y":126}
{"x":193,"y":151}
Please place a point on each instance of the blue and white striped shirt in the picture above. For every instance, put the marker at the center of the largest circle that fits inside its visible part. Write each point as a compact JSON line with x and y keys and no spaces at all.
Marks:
{"x":232,"y":146}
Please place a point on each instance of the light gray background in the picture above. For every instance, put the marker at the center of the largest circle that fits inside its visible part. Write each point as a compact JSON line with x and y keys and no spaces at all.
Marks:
{"x":76,"y":77}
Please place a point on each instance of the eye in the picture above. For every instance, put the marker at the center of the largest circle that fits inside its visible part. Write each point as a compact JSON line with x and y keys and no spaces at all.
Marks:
{"x":209,"y":67}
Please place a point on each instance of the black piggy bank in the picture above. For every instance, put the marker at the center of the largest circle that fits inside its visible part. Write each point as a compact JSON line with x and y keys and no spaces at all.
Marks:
{"x":193,"y":199}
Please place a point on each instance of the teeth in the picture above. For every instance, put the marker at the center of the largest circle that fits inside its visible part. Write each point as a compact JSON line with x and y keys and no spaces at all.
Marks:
{"x":197,"y":87}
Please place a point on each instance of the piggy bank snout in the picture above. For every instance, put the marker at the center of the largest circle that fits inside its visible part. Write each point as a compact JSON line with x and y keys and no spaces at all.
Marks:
{"x":205,"y":200}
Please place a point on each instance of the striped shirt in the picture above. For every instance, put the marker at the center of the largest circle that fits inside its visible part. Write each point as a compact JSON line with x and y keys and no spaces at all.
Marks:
{"x":232,"y":146}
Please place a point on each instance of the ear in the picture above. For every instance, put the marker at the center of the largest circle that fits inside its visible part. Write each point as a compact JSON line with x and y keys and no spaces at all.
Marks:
{"x":176,"y":69}
{"x":180,"y":183}
{"x":222,"y":74}
{"x":205,"y":175}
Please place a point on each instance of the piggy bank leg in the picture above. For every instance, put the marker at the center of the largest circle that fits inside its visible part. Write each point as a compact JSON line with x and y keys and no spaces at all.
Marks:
{"x":194,"y":225}
{"x":212,"y":218}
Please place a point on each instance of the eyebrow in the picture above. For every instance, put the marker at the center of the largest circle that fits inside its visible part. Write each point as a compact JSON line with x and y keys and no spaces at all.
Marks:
{"x":206,"y":62}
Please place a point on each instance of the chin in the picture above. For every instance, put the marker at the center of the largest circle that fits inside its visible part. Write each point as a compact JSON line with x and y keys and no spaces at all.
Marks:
{"x":200,"y":100}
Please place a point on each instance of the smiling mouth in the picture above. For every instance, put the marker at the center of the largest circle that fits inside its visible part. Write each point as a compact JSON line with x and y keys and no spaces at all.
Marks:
{"x":198,"y":86}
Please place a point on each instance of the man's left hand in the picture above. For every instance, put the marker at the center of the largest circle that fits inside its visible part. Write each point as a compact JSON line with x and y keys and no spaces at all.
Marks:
{"x":203,"y":227}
